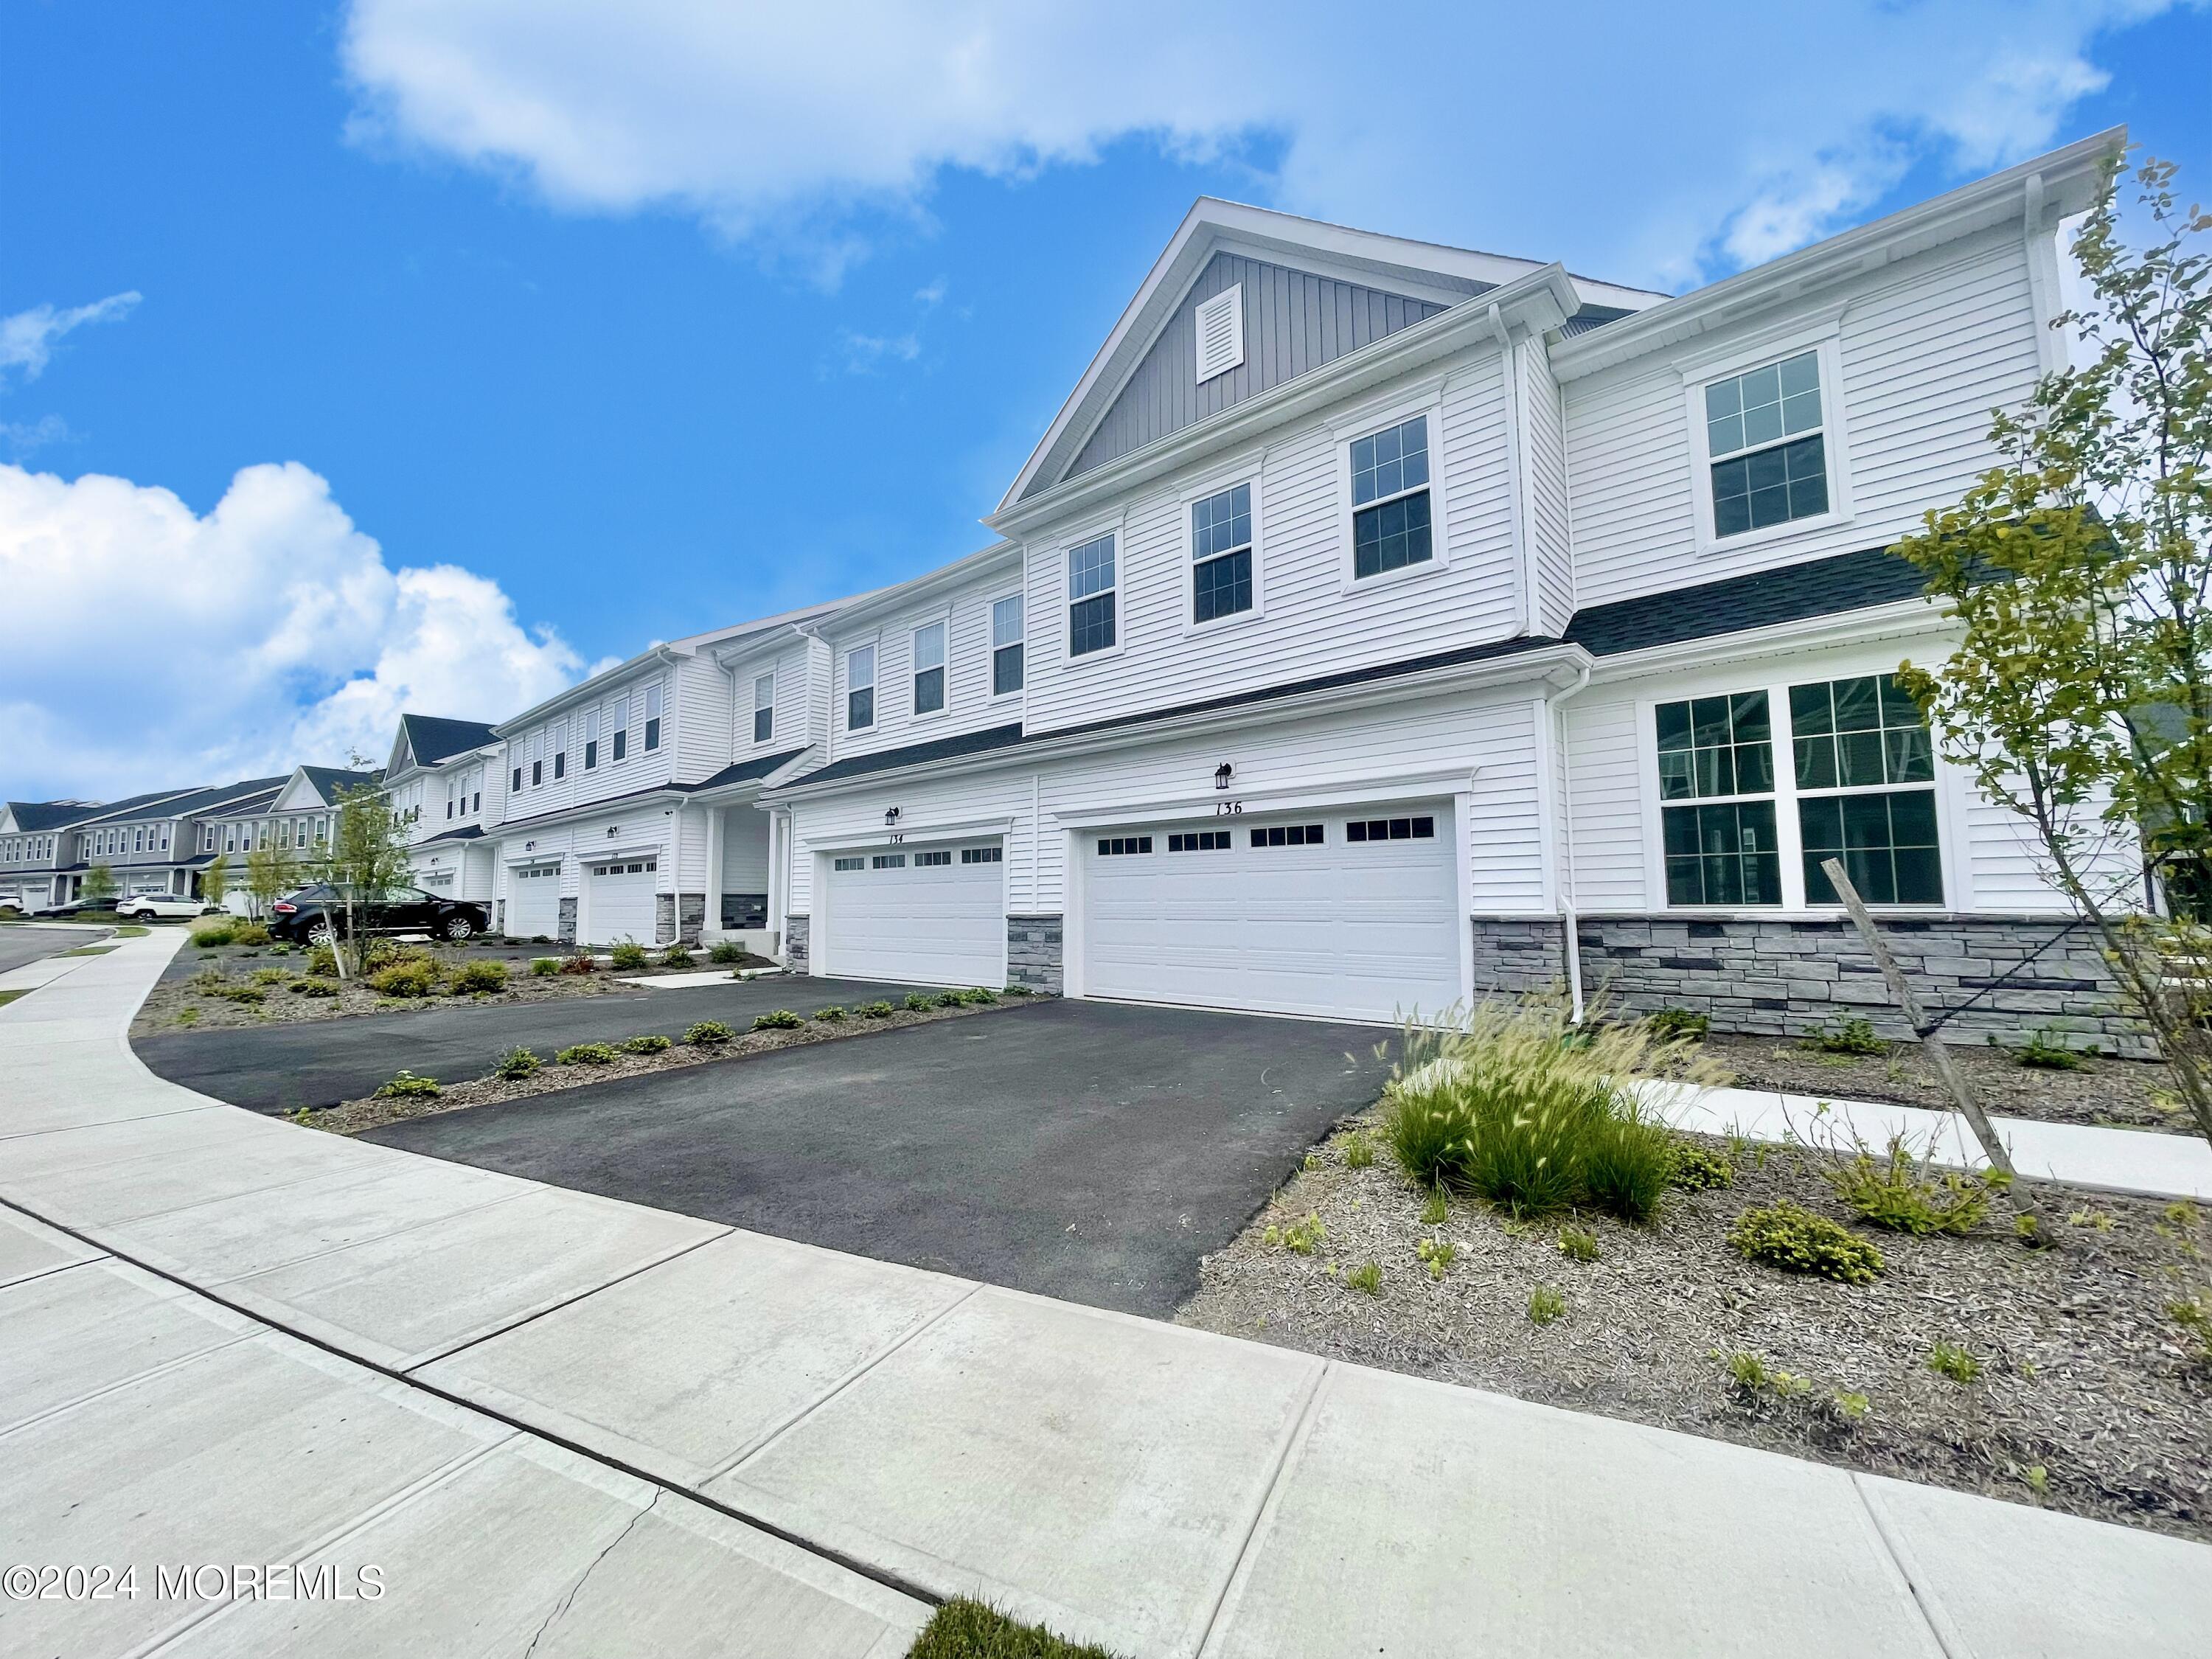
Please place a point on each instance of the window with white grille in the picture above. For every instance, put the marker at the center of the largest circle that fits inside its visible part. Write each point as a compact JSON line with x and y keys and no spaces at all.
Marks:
{"x":1220,"y":333}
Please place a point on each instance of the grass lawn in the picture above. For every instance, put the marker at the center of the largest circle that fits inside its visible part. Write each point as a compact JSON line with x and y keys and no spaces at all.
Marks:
{"x":6,"y":997}
{"x":965,"y":1629}
{"x":89,"y":950}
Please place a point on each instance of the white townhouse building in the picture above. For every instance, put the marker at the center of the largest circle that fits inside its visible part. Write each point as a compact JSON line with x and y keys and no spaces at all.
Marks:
{"x":297,"y":813}
{"x":35,"y":844}
{"x":444,"y":780}
{"x":152,"y":844}
{"x":1382,"y":624}
{"x":628,"y":799}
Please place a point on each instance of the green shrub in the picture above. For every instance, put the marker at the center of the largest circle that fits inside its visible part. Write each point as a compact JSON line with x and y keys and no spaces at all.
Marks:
{"x":544,"y":966}
{"x":214,"y":933}
{"x":950,"y":999}
{"x":726,"y":952}
{"x":322,"y":960}
{"x":1905,"y":1195}
{"x":248,"y":932}
{"x":476,"y":976}
{"x":407,"y":1083}
{"x":250,"y":995}
{"x":708,"y":1032}
{"x":280,"y":949}
{"x":1516,"y":1105}
{"x":586,"y":1053}
{"x":1367,"y":1277}
{"x":315,"y":987}
{"x":2045,"y":1050}
{"x":1754,"y":1378}
{"x":1020,"y":991}
{"x":184,"y":1016}
{"x":516,"y":1064}
{"x":677,"y":955}
{"x":1546,"y":1305}
{"x":1359,"y":1151}
{"x":778,"y":1019}
{"x":1700,"y":1169}
{"x":1948,"y":1359}
{"x":649,"y":1043}
{"x":1578,"y":1245}
{"x":405,"y":979}
{"x":877,"y":1010}
{"x":833,"y":1015}
{"x":1791,"y":1237}
{"x":916,"y":1002}
{"x":1851,"y":1034}
{"x":1300,"y":1237}
{"x":579,"y":961}
{"x":1685,"y":1023}
{"x":967,"y":1629}
{"x":268,"y":975}
{"x":979,"y":996}
{"x":627,"y":954}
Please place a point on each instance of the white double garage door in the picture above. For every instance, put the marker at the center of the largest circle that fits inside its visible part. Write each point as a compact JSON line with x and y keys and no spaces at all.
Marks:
{"x":617,"y":900}
{"x":1347,"y":915}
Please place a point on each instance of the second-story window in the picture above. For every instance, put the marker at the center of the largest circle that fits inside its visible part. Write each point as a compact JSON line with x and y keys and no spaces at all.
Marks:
{"x":591,"y":739}
{"x":618,"y":727}
{"x":537,"y":759}
{"x":1768,"y":447}
{"x":514,"y":785}
{"x":1221,"y":554}
{"x":929,"y":669}
{"x":1006,"y":646}
{"x":764,"y":707}
{"x":559,"y":742}
{"x":653,"y":717}
{"x":1091,"y":596}
{"x":1390,"y":517}
{"x":860,"y":688}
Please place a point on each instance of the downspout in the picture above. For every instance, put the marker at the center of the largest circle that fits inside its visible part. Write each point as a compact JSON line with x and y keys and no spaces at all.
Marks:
{"x":1568,"y":916}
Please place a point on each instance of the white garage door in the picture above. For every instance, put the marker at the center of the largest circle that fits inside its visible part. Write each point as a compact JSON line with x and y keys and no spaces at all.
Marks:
{"x":533,"y":901}
{"x":937,"y":915}
{"x":1349,"y":915}
{"x":619,"y":902}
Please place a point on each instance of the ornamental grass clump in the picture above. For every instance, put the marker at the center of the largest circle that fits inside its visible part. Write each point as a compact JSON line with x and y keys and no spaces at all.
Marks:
{"x":1515,"y":1103}
{"x":1905,"y":1195}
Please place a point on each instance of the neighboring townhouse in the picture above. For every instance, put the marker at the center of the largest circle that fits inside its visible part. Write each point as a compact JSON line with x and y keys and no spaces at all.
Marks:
{"x":1380,"y":625}
{"x":444,"y":780}
{"x":299,"y":816}
{"x":33,"y":849}
{"x":153,"y":843}
{"x":629,"y":797}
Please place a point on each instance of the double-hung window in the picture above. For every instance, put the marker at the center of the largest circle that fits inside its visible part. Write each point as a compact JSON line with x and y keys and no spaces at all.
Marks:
{"x":1861,"y":748}
{"x":929,"y":669}
{"x":591,"y":739}
{"x":536,"y":759}
{"x":559,"y":741}
{"x":1390,"y":517}
{"x":653,"y":717}
{"x":619,"y":728}
{"x":1221,"y":554}
{"x":764,"y":708}
{"x":1716,"y":757}
{"x":1091,"y":596}
{"x":1006,"y":646}
{"x":859,"y":688}
{"x":1766,"y":443}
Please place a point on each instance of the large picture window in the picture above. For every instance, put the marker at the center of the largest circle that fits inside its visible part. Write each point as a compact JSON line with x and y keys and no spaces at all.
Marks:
{"x":1390,"y":527}
{"x":1767,"y":444}
{"x":1860,"y":743}
{"x":1221,"y":553}
{"x":1090,"y":590}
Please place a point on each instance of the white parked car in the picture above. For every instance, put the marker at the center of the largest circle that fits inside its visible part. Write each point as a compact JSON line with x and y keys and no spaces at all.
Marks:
{"x":150,"y":905}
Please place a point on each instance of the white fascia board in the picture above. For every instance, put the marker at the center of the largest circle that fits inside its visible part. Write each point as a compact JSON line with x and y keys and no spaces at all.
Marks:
{"x":867,"y":614}
{"x":1558,"y":664}
{"x":2061,"y":183}
{"x":610,"y":808}
{"x":1537,"y":302}
{"x":1358,"y":255}
{"x":585,"y":690}
{"x":1901,"y":619}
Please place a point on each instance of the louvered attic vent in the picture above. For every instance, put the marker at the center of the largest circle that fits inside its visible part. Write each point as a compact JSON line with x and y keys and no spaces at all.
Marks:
{"x":1220,"y":333}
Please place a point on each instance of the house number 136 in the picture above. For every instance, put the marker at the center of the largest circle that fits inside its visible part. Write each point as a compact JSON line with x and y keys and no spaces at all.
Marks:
{"x":1224,"y":809}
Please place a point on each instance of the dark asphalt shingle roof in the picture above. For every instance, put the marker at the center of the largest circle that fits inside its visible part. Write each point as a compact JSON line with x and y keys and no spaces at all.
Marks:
{"x":35,"y":815}
{"x":1818,"y":587}
{"x":466,"y":832}
{"x":328,"y":778}
{"x":431,"y":739}
{"x":744,"y":770}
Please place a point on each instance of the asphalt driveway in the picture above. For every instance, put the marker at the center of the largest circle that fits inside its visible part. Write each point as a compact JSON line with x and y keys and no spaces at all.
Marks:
{"x":1084,"y":1150}
{"x":277,"y":1068}
{"x":23,"y":945}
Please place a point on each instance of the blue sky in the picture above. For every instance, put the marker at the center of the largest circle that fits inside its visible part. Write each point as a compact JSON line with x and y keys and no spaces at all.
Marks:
{"x":580,"y":326}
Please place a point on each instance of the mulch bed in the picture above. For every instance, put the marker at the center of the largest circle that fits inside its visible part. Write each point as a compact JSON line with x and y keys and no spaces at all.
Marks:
{"x":174,"y":994}
{"x":351,"y":1117}
{"x":2089,"y":1388}
{"x":2112,"y":1093}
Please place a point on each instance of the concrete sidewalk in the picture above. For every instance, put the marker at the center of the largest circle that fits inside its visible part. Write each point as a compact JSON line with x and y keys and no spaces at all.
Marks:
{"x":1164,"y":1490}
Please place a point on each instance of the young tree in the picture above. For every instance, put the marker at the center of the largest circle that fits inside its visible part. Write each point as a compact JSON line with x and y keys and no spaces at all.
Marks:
{"x":2081,"y":566}
{"x":99,"y":887}
{"x":368,"y":855}
{"x":214,"y":880}
{"x":270,"y":873}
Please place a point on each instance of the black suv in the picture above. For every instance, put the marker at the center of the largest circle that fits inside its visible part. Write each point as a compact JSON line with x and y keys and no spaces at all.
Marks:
{"x":313,"y":914}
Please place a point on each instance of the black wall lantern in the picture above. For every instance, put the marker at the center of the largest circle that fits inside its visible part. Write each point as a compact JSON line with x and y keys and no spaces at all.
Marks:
{"x":1222,"y":774}
{"x":890,"y":815}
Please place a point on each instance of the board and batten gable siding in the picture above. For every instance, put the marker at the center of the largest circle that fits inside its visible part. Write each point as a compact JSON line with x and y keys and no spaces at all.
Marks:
{"x":1929,"y":347}
{"x":1293,"y":321}
{"x":1306,"y":624}
{"x":969,"y":704}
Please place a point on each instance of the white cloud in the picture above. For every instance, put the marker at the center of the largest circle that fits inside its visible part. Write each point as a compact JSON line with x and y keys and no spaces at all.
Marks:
{"x":28,"y":338}
{"x":21,"y":438}
{"x":1652,"y":142}
{"x":149,"y":645}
